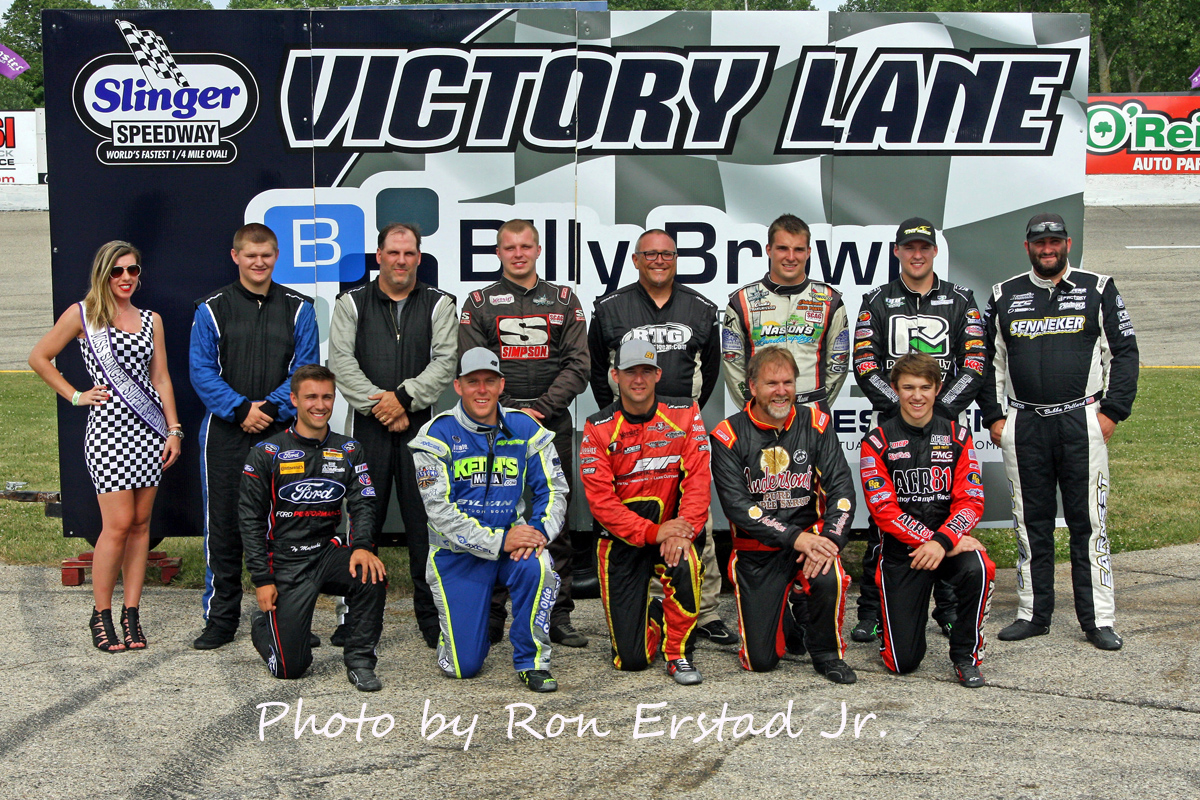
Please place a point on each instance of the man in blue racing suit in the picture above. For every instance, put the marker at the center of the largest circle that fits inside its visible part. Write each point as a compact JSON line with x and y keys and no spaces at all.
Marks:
{"x":472,"y":465}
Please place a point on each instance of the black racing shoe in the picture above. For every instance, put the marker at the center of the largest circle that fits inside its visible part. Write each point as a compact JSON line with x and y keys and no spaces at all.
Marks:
{"x":363,"y":679}
{"x":538,"y":680}
{"x":835,"y":670}
{"x":684,"y":673}
{"x":1105,"y":638}
{"x":432,"y":638}
{"x":567,"y":635}
{"x":968,"y":675}
{"x":214,"y":636}
{"x":1021,"y":629}
{"x":313,"y":640}
{"x":495,"y":631}
{"x":946,"y":628}
{"x":338,"y":639}
{"x":717,"y":633}
{"x":795,"y":641}
{"x":867,"y":630}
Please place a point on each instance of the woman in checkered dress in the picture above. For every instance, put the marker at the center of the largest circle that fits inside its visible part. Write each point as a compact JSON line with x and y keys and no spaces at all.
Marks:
{"x":125,"y":456}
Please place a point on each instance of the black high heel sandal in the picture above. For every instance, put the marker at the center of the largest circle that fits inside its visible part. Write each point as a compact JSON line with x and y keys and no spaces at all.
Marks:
{"x":131,"y":626}
{"x":104,"y":635}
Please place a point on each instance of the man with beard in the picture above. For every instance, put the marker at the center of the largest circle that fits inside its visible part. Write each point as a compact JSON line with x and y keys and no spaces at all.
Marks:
{"x":1062,"y":354}
{"x":787,"y":491}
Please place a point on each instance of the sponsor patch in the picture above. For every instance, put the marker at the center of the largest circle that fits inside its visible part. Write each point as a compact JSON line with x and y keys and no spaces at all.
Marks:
{"x":369,"y":491}
{"x":974,"y":479}
{"x":878,"y":497}
{"x":270,"y":448}
{"x":874,"y":484}
{"x":365,"y":480}
{"x":579,"y":314}
{"x":360,"y":467}
{"x":465,"y":318}
{"x":557,"y":319}
{"x":331,"y":453}
{"x":866,"y":462}
{"x":292,"y":468}
{"x":329,"y":468}
{"x":350,"y":447}
{"x":501,"y":299}
{"x":754,"y":512}
{"x":864,"y":316}
{"x":291,"y":455}
{"x":843,"y":504}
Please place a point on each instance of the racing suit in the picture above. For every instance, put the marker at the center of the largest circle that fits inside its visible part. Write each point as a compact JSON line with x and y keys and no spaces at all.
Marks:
{"x":410,"y":351}
{"x":924,"y":484}
{"x":640,"y":471}
{"x":244,"y":348}
{"x":774,"y":484}
{"x":289,"y":508}
{"x":541,"y":338}
{"x":1059,"y":354}
{"x":808,"y":319}
{"x":894,"y":321}
{"x":472,"y":477}
{"x":686,"y":341}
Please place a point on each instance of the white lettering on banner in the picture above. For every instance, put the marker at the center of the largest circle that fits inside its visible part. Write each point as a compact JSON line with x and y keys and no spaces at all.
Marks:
{"x":299,"y":241}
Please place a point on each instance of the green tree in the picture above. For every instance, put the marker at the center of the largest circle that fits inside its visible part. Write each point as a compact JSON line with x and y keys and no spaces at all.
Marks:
{"x":21,"y":32}
{"x":163,"y":5}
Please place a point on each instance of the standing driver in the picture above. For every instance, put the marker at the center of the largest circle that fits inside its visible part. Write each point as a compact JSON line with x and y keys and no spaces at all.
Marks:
{"x":289,"y":508}
{"x":1063,"y":356}
{"x":473,"y":466}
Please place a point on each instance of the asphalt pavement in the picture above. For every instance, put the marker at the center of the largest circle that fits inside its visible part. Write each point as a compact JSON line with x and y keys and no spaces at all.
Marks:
{"x":1058,"y":718}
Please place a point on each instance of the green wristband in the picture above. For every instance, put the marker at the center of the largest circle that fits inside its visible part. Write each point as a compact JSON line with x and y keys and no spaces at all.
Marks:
{"x":75,"y":398}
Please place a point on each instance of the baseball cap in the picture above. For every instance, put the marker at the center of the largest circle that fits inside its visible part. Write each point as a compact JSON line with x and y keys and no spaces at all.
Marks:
{"x":478,"y":358}
{"x":915,"y":229}
{"x":634,"y":352}
{"x":1045,"y":226}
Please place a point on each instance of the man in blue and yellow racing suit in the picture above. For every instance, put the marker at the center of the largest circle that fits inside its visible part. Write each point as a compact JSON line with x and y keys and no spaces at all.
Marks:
{"x":473,"y":464}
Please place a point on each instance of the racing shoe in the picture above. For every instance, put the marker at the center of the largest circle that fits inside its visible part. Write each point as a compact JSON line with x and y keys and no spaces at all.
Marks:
{"x":717,"y":633}
{"x":363,"y":679}
{"x":867,"y":630}
{"x":946,"y":627}
{"x":835,"y":670}
{"x":338,"y":639}
{"x":968,"y":675}
{"x":1021,"y":629}
{"x":314,"y":640}
{"x":683,"y":672}
{"x":795,"y":640}
{"x":538,"y":680}
{"x":567,"y":635}
{"x":1105,"y":638}
{"x":214,"y":636}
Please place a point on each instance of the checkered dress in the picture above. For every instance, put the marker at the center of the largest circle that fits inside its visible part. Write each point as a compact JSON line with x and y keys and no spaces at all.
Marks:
{"x":122,"y":452}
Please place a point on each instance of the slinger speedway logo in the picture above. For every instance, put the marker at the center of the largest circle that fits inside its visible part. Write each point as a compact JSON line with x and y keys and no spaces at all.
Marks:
{"x":152,"y":106}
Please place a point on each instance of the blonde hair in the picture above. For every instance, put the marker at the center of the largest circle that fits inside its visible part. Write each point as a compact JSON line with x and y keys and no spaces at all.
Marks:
{"x":99,"y":306}
{"x":517,"y":227}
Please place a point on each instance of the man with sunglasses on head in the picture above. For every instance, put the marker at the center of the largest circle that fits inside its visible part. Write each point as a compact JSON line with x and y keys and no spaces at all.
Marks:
{"x":681,"y":324}
{"x":1063,"y":357}
{"x":248,"y":338}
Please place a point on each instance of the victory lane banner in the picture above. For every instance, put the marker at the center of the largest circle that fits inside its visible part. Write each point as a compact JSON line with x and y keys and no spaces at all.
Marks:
{"x":177,"y":127}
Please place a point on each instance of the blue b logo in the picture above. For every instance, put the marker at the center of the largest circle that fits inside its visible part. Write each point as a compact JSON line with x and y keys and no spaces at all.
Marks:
{"x":318,"y":243}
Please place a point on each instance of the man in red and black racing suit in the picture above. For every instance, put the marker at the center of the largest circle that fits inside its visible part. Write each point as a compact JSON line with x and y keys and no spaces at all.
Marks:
{"x":289,"y":509}
{"x":924,"y":491}
{"x":645,"y":469}
{"x":789,"y":496}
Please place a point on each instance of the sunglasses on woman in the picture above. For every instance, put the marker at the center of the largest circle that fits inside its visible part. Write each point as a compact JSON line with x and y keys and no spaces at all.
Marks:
{"x":133,"y":269}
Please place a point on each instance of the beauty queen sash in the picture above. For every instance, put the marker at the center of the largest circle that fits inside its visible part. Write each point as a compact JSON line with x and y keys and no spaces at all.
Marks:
{"x":124,"y":385}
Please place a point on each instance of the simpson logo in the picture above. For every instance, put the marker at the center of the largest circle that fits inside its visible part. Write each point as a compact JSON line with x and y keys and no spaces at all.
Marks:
{"x":494,"y":99}
{"x":906,"y":100}
{"x":523,"y":337}
{"x":1033,"y":328}
{"x":152,"y":106}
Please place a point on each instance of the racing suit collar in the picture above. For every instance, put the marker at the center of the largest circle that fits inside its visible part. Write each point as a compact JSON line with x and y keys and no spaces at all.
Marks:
{"x":518,"y":288}
{"x":255,"y":296}
{"x":640,"y":419}
{"x":766,"y":426}
{"x":779,"y":288}
{"x":1046,"y":283}
{"x":305,"y":440}
{"x":914,"y":431}
{"x":937,"y":284}
{"x":475,"y":426}
{"x":646,"y":295}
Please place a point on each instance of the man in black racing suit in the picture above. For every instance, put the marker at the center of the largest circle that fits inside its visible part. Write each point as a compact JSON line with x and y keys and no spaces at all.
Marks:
{"x":916,"y":313}
{"x":289,"y":508}
{"x":789,"y":496}
{"x":1063,"y":354}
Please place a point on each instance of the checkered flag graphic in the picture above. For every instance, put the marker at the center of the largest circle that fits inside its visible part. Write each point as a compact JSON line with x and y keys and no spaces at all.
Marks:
{"x":151,"y":53}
